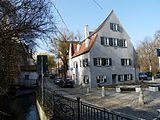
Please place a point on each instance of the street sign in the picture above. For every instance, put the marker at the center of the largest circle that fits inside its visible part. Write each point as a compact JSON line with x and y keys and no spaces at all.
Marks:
{"x":158,"y":52}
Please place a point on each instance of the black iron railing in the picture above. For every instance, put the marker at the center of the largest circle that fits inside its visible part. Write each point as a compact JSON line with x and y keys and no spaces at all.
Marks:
{"x":4,"y":116}
{"x":65,"y":108}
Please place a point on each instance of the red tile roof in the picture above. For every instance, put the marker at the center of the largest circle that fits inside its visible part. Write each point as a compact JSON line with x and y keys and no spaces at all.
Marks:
{"x":92,"y":39}
{"x":83,"y":49}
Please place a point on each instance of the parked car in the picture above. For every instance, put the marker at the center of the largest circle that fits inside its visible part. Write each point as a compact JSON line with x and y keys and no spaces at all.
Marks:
{"x":57,"y":80}
{"x":158,"y":75}
{"x":145,"y":76}
{"x":66,"y":83}
{"x":52,"y":76}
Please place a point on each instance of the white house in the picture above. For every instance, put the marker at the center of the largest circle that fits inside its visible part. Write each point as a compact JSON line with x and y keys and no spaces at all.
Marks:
{"x":105,"y":55}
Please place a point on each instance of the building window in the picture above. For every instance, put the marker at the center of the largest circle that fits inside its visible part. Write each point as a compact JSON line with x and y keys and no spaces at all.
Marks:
{"x":106,"y":61}
{"x":115,"y":27}
{"x":85,"y":62}
{"x":75,"y":65}
{"x":86,"y":79}
{"x":122,"y":43}
{"x":97,"y":61}
{"x":104,"y":41}
{"x":108,"y":41}
{"x":126,"y":62}
{"x":102,"y":61}
{"x":124,"y":77}
{"x":115,"y":41}
{"x":101,"y":79}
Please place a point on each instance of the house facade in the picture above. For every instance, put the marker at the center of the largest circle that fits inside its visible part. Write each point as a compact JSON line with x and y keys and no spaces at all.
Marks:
{"x":104,"y":56}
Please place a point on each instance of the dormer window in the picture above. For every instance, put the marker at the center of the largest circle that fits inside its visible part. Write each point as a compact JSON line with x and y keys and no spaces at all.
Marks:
{"x":115,"y":27}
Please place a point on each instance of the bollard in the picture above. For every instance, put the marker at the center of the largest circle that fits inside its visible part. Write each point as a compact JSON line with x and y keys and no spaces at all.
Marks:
{"x":103,"y":92}
{"x":152,"y":78}
{"x":88,"y":89}
{"x":141,"y":98}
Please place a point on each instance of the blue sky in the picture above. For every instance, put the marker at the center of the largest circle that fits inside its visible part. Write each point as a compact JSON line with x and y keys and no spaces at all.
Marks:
{"x":140,"y":18}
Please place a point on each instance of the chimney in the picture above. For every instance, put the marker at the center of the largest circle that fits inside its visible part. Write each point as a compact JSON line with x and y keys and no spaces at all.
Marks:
{"x":86,"y":31}
{"x":78,"y":46}
{"x":86,"y":34}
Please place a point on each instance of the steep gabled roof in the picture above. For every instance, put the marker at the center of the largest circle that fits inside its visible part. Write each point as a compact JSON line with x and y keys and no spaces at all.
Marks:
{"x":92,"y":39}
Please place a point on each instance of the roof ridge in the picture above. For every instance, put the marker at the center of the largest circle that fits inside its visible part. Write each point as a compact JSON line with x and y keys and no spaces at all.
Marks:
{"x":99,"y":27}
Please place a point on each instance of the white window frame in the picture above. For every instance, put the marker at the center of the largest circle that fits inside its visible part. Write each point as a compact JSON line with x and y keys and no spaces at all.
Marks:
{"x":129,"y":76}
{"x":107,"y":61}
{"x":99,"y":61}
{"x":115,"y":43}
{"x":101,"y":78}
{"x":106,"y":41}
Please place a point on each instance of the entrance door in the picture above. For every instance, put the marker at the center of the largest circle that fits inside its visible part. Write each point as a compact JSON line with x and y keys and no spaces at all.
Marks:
{"x":114,"y":78}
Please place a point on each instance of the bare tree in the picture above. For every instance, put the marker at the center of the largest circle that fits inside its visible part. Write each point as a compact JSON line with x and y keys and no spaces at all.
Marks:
{"x":60,"y":47}
{"x":147,"y":57}
{"x":21,"y":21}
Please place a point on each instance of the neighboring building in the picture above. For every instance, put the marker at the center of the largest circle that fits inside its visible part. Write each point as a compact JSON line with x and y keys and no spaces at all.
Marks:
{"x":105,"y":55}
{"x":28,"y":68}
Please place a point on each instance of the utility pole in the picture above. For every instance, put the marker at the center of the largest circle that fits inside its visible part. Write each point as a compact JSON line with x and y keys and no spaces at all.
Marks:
{"x":42,"y":79}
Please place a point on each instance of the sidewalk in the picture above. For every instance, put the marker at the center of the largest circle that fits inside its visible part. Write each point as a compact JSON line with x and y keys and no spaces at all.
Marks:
{"x":125,"y":102}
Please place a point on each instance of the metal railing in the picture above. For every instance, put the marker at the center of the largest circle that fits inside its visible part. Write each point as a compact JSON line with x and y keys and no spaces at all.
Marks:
{"x":65,"y":108}
{"x":4,"y":116}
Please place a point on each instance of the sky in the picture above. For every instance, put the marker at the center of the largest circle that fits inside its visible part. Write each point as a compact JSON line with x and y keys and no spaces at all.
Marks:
{"x":140,"y":18}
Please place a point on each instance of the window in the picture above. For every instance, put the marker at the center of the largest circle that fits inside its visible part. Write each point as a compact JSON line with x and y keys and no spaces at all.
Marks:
{"x":129,"y":76}
{"x":86,"y":79}
{"x":115,"y":41}
{"x":115,"y":27}
{"x":85,"y":62}
{"x":125,"y":62}
{"x":104,"y":41}
{"x":124,"y":77}
{"x":101,"y":78}
{"x":97,"y":61}
{"x":75,"y":65}
{"x":102,"y":61}
{"x":120,"y":78}
{"x":122,"y":43}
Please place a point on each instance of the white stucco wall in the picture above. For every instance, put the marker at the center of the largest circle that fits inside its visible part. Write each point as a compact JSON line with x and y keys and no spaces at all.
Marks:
{"x":101,"y":51}
{"x":115,"y":53}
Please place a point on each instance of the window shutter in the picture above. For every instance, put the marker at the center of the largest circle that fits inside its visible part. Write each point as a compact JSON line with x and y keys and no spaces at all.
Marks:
{"x":122,"y":61}
{"x":130,"y":62}
{"x":80,"y":64}
{"x":125,"y":77}
{"x":103,"y":61}
{"x":110,"y":41}
{"x":111,"y":26}
{"x":131,"y":77}
{"x":83,"y":62}
{"x":119,"y":77}
{"x":95,"y":61}
{"x":86,"y":62}
{"x":110,"y":61}
{"x":102,"y":40}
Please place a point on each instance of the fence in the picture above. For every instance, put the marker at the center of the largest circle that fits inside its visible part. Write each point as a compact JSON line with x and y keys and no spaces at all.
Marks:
{"x":65,"y":108}
{"x":4,"y":116}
